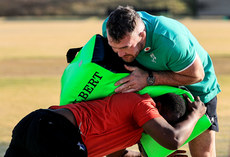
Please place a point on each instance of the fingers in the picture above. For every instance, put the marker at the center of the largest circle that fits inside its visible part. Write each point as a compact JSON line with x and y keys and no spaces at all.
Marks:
{"x":122,"y":81}
{"x":125,"y":85}
{"x":187,"y":98}
{"x":125,"y":80}
{"x":128,"y":90}
{"x":125,"y":88}
{"x":197,"y":98}
{"x":130,"y":68}
{"x":132,"y":82}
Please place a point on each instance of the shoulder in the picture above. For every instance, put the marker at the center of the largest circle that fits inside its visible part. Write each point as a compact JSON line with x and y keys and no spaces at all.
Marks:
{"x":144,"y":14}
{"x":131,"y":97}
{"x":104,"y":28}
{"x":148,"y":19}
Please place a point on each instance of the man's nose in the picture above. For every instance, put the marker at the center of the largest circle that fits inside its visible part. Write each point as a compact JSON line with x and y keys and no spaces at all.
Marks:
{"x":120,"y":53}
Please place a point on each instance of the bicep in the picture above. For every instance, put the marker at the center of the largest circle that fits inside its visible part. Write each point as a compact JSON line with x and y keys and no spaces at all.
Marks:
{"x":195,"y":70}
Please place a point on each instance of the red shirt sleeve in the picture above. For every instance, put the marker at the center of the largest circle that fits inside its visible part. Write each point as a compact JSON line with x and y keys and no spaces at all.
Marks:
{"x":145,"y":111}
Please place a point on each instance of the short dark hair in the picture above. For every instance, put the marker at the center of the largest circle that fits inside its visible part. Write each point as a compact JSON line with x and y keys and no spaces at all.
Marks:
{"x":173,"y":107}
{"x":121,"y":21}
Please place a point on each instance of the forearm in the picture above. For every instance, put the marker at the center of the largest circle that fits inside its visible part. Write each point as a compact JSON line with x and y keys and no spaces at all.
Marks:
{"x":174,"y":79}
{"x":183,"y":130}
{"x":193,"y":74}
{"x":170,"y":137}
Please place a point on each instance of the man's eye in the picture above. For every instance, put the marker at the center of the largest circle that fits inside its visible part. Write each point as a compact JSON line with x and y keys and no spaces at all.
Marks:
{"x":124,"y":48}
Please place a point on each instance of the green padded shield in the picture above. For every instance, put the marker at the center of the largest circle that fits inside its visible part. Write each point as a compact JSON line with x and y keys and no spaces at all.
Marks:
{"x":152,"y":148}
{"x":84,"y":79}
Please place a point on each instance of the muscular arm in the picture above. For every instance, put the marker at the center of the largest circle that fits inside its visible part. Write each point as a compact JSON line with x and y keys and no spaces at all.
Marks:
{"x":137,"y":80}
{"x":172,"y":137}
{"x":191,"y":75}
{"x":168,"y":136}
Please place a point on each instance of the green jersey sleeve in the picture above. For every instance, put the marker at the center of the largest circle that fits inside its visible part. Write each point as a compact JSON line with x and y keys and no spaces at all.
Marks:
{"x":182,"y":55}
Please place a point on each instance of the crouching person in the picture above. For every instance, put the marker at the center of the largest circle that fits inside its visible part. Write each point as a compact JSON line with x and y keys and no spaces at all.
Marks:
{"x":101,"y":127}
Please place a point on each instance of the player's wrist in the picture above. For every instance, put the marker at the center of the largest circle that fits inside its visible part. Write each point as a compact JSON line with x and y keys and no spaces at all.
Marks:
{"x":150,"y":78}
{"x":194,"y":115}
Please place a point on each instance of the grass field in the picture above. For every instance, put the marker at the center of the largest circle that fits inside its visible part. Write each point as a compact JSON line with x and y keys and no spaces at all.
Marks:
{"x":32,"y":59}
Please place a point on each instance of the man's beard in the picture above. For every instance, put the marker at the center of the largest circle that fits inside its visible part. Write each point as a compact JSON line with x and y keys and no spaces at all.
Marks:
{"x":128,"y":58}
{"x":131,"y":58}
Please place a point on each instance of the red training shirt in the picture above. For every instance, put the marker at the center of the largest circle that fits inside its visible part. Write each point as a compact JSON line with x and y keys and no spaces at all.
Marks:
{"x":113,"y":123}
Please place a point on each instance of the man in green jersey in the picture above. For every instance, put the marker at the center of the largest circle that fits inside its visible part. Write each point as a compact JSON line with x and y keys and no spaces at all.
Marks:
{"x":171,"y":55}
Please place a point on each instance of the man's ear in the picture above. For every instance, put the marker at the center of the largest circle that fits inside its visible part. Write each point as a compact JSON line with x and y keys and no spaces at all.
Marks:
{"x":142,"y":34}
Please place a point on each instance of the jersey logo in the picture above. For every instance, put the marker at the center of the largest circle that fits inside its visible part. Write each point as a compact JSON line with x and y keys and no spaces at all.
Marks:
{"x":147,"y":49}
{"x":153,"y":57}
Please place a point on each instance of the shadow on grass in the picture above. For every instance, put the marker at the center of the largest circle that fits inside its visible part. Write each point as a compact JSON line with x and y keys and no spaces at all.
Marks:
{"x":3,"y":147}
